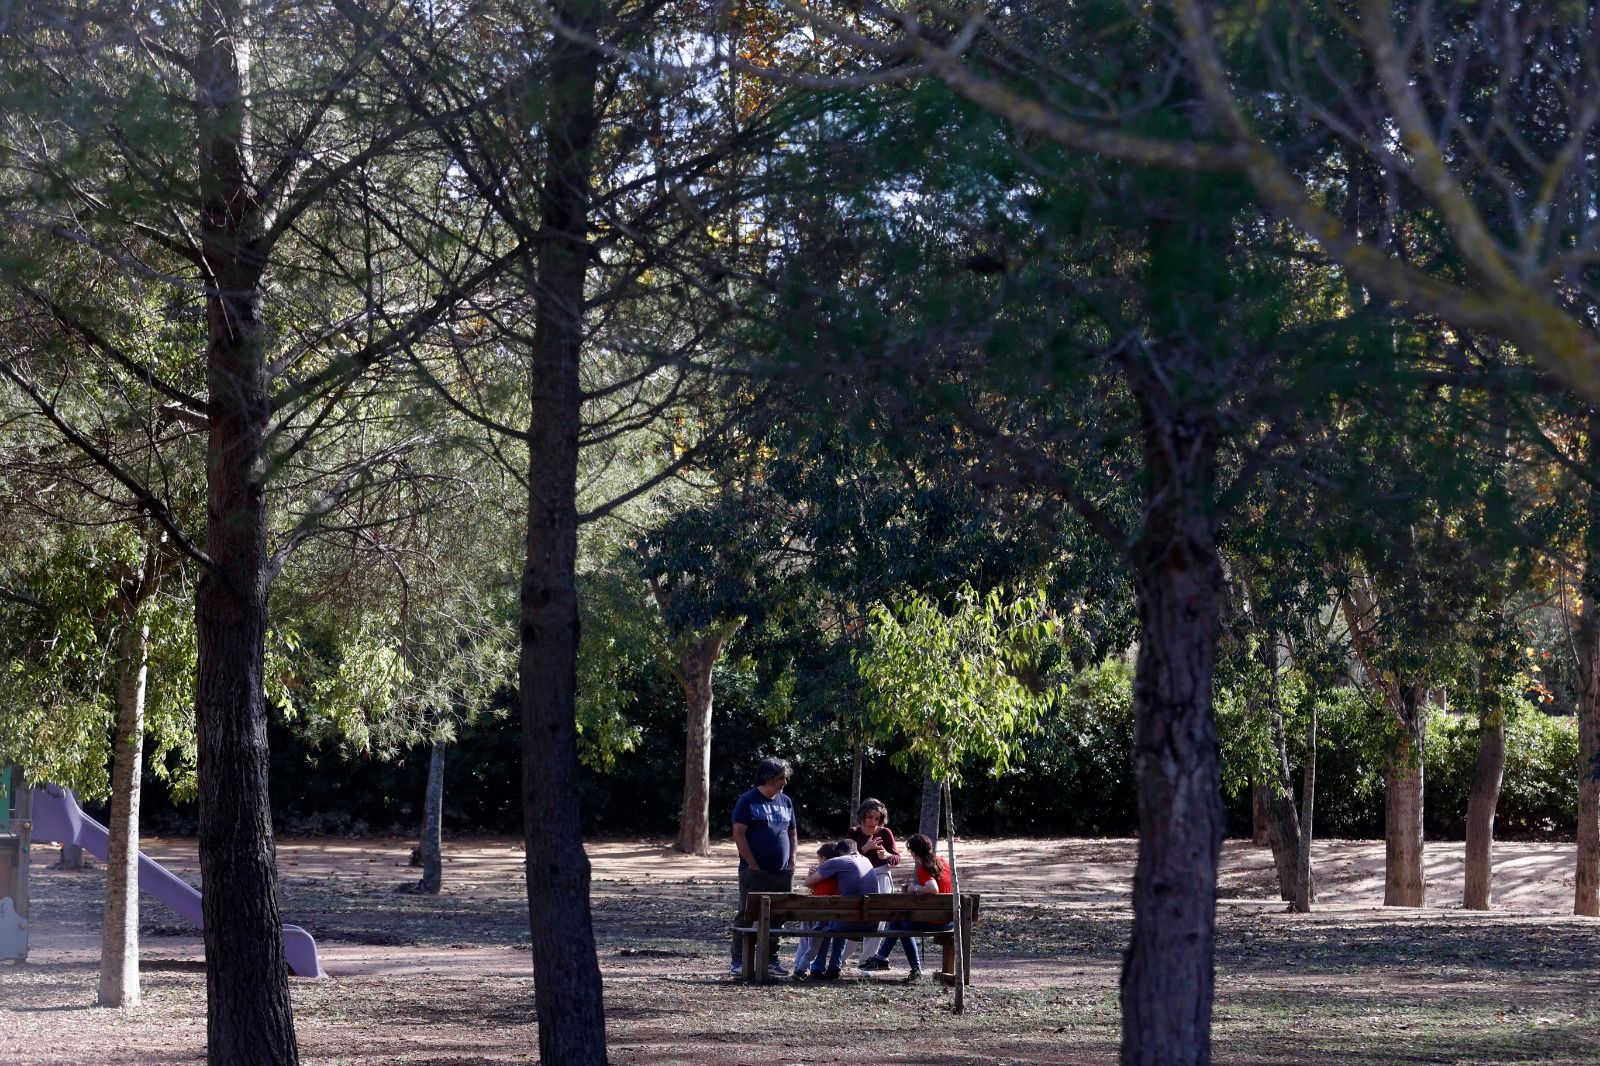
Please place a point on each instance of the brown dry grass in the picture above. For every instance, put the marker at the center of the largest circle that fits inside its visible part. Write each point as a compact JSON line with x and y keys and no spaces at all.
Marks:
{"x":445,"y":981}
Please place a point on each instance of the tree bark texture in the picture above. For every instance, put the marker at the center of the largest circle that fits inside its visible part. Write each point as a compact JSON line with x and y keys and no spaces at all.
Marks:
{"x":1405,"y":698}
{"x":71,"y":858}
{"x":1260,"y":814}
{"x":1304,"y":888}
{"x":1283,"y":822}
{"x":1167,"y":973}
{"x":928,"y":818}
{"x":119,"y":932}
{"x":568,"y":995}
{"x":1403,"y":883}
{"x":430,"y":852}
{"x":1586,"y":891}
{"x":696,"y":662}
{"x":248,"y":1015}
{"x":1488,"y":770}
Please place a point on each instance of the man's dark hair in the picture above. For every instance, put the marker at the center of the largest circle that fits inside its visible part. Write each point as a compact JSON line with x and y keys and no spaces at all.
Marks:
{"x":846,"y":847}
{"x":771,"y":768}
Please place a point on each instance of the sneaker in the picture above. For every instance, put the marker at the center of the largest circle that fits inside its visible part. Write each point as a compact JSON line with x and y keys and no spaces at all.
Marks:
{"x":872,"y":962}
{"x":800,"y":976}
{"x":776,"y":969}
{"x":830,"y":975}
{"x":736,"y":970}
{"x":913,"y":977}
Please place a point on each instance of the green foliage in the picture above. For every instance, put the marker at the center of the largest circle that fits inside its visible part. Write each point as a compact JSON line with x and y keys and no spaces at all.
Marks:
{"x":616,"y":641}
{"x":58,"y":640}
{"x":952,"y":684}
{"x":1538,"y":795}
{"x":1075,"y":774}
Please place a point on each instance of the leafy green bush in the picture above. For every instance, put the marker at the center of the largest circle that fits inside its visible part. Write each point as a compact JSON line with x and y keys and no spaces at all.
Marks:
{"x":1076,"y":773}
{"x":1538,"y":795}
{"x":1350,"y":753}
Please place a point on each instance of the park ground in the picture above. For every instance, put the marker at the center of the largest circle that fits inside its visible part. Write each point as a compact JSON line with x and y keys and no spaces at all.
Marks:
{"x":445,"y":981}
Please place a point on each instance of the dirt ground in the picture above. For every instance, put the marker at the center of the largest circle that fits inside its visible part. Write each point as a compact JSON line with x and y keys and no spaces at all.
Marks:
{"x":446,"y":981}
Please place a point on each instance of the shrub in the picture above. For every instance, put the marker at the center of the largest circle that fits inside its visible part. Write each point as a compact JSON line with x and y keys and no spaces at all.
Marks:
{"x":1538,"y":794}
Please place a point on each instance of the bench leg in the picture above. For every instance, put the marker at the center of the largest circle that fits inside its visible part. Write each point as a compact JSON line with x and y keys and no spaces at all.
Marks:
{"x":947,"y":948}
{"x":966,"y":951}
{"x":763,"y":942}
{"x":749,"y":959}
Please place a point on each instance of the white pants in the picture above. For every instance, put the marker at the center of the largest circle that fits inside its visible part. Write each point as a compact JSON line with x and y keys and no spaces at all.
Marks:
{"x":884,"y":883}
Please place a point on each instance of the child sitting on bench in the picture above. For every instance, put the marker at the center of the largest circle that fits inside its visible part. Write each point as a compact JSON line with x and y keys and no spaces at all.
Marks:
{"x":811,"y":945}
{"x":854,"y":873}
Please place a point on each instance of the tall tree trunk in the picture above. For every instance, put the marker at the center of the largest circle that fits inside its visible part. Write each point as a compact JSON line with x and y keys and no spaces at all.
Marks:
{"x":1304,"y":889}
{"x":71,"y":858}
{"x":1283,"y":823}
{"x":1167,"y":973}
{"x":1586,"y":894}
{"x":568,"y":995}
{"x":1403,"y":884}
{"x":928,"y":820}
{"x":955,"y":899}
{"x":1260,"y":814}
{"x":856,"y":759}
{"x":248,"y":1015}
{"x":697,"y":661}
{"x":119,"y":933}
{"x":430,"y":847}
{"x":1487,"y":773}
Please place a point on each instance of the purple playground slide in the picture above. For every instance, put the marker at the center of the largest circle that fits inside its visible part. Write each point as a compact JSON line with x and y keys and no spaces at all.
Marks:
{"x":57,"y":818}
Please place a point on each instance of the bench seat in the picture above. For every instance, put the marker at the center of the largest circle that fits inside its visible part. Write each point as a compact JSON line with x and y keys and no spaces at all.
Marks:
{"x":766,"y":912}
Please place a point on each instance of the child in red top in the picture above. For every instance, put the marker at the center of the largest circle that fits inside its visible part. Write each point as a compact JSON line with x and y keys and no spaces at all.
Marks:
{"x":933,"y":875}
{"x":809,"y":946}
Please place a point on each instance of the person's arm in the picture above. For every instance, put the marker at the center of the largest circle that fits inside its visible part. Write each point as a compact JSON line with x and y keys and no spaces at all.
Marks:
{"x":822,"y":873}
{"x":794,"y":844}
{"x":739,"y":841}
{"x":891,"y":852}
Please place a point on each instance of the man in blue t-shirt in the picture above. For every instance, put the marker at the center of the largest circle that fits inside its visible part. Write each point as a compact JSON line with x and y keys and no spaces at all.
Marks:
{"x":763,"y":831}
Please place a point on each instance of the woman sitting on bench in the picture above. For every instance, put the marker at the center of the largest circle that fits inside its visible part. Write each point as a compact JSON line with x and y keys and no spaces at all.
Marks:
{"x":933,"y":875}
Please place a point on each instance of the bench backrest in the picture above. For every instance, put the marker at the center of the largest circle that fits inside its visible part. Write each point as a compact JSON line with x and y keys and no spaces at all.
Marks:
{"x":879,"y":907}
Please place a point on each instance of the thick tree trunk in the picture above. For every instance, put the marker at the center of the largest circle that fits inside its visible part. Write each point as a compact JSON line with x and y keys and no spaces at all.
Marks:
{"x":928,"y":820}
{"x":568,"y":995}
{"x":696,"y":663}
{"x":1304,"y":889}
{"x":248,"y":1014}
{"x":1403,"y":884}
{"x":71,"y":858}
{"x":1167,"y":974}
{"x":1487,"y":773}
{"x":1586,"y":897}
{"x":1260,"y":814}
{"x":1586,"y":893}
{"x":430,"y":850}
{"x":119,"y":934}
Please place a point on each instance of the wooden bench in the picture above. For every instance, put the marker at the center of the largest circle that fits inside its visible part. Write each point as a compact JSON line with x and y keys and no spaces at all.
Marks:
{"x":765,"y":911}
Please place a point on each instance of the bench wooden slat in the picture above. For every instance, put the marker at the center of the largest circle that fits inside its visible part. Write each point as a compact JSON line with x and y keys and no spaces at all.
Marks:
{"x":765,"y":912}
